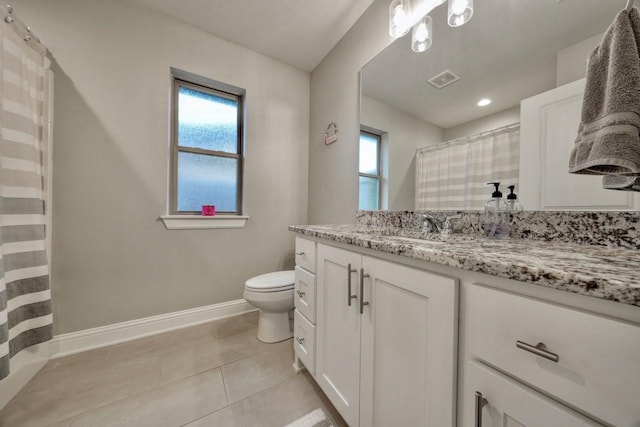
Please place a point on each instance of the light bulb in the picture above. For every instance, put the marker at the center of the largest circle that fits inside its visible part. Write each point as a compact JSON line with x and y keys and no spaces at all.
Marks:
{"x":460,"y":11}
{"x":399,"y":16}
{"x":399,"y":13}
{"x":458,"y":6}
{"x":421,"y":35}
{"x":421,"y":32}
{"x":484,"y":102}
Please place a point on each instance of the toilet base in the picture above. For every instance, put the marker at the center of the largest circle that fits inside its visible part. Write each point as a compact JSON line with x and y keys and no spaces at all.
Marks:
{"x":274,"y":327}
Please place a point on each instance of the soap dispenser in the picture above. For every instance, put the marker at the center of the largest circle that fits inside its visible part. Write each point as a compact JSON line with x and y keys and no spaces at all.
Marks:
{"x":513,"y":205}
{"x":496,"y":216}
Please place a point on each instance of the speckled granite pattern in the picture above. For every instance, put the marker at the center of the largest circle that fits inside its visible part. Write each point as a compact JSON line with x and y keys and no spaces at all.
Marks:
{"x":611,"y":229}
{"x":596,"y":271}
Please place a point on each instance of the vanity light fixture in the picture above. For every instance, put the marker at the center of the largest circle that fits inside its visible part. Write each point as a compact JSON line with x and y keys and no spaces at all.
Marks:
{"x":421,"y":35}
{"x":460,"y":11}
{"x":403,"y":15}
{"x":484,"y":102}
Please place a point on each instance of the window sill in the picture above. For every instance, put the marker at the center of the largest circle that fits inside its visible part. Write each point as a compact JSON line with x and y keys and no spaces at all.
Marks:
{"x":199,"y":222}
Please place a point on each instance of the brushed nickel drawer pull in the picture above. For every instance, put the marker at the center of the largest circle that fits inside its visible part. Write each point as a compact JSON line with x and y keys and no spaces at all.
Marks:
{"x":301,"y":294}
{"x":349,"y":296}
{"x":539,"y":350}
{"x":300,"y":340}
{"x":480,"y":403}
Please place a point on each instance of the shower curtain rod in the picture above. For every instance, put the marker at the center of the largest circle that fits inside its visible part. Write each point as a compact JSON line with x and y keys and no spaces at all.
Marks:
{"x":11,"y":18}
{"x":468,"y":139}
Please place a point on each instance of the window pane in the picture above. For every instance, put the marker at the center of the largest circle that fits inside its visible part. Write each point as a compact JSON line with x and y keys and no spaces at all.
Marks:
{"x":369,"y":192}
{"x":207,"y":180}
{"x":368,"y":154}
{"x":207,"y":121}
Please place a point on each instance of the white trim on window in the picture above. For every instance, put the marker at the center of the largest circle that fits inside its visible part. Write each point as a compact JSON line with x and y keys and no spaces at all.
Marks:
{"x":196,"y":222}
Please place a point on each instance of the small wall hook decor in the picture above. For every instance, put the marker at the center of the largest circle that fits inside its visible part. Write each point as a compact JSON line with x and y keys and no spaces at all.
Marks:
{"x":331,"y":134}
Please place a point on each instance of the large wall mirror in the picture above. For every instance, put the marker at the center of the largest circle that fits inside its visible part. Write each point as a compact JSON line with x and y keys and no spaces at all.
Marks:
{"x":510,"y":51}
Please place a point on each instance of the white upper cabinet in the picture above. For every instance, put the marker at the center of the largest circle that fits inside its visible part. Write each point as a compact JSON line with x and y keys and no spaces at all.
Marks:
{"x":548,"y":129}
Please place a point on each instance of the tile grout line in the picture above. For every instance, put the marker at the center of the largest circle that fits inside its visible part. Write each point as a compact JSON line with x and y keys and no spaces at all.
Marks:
{"x":215,"y":367}
{"x":224,"y":385}
{"x":229,"y":405}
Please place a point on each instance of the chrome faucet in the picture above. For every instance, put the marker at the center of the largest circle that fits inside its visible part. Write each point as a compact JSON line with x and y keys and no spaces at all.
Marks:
{"x":431,"y":224}
{"x":447,"y":227}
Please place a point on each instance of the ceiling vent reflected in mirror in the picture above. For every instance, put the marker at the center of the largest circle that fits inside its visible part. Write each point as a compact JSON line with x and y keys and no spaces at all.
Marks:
{"x":443,"y":79}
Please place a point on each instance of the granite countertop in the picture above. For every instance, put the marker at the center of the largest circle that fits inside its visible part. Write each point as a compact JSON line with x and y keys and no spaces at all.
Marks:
{"x":597,"y":271}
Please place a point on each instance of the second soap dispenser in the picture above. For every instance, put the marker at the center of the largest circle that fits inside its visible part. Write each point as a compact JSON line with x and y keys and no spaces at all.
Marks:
{"x":513,"y":205}
{"x":496,"y":216}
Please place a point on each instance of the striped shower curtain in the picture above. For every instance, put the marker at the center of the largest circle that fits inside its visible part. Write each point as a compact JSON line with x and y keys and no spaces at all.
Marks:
{"x":454,"y":175}
{"x":25,"y":298}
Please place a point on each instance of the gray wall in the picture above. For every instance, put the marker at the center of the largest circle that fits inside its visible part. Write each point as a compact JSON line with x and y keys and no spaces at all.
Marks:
{"x":572,"y":61}
{"x":492,"y":121}
{"x":112,"y":259}
{"x":335,"y":93}
{"x":404,"y":135}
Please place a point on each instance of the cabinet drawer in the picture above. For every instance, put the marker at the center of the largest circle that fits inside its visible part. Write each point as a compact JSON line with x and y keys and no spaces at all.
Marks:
{"x":597,"y":368}
{"x":305,"y":295}
{"x":304,"y":342}
{"x":306,"y":254}
{"x":512,"y":404}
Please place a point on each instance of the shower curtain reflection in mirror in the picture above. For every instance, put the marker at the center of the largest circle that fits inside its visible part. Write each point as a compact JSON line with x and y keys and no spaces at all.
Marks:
{"x":454,"y":175}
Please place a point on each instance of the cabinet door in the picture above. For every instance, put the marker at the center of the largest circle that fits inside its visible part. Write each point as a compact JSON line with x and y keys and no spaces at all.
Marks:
{"x":338,"y":330}
{"x":409,"y":347}
{"x":549,"y":126}
{"x":511,"y":404}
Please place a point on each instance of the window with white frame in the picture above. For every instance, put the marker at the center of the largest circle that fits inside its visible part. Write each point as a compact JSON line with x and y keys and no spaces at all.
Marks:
{"x":206,"y":145}
{"x":370,"y":176}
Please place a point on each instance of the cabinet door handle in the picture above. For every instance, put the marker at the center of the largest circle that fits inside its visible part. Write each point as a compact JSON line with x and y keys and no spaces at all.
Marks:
{"x":300,"y":340}
{"x":300,"y":253}
{"x":349,"y":296}
{"x":301,"y":294}
{"x":362,"y":301}
{"x":539,"y":350}
{"x":480,"y":403}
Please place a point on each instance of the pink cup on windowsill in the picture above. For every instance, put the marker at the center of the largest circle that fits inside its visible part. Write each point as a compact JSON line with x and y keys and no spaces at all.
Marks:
{"x":208,"y":210}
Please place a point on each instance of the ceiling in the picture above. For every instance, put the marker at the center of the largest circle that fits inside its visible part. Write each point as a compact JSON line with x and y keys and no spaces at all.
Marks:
{"x":506,"y":52}
{"x":297,"y":32}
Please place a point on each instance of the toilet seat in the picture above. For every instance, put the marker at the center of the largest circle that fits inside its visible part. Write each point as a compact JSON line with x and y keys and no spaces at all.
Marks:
{"x":271,"y":282}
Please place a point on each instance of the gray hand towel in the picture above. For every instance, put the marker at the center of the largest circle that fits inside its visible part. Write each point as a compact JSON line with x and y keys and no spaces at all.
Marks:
{"x":625,"y":183}
{"x":608,"y":141}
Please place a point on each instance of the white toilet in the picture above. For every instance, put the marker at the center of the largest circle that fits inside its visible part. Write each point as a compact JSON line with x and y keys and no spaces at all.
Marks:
{"x":272,"y":293}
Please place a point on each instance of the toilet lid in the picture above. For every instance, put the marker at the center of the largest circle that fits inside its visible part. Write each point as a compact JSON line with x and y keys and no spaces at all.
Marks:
{"x":272,"y":282}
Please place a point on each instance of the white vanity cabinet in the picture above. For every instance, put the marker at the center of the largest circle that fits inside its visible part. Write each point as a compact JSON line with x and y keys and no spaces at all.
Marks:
{"x":583,"y":360}
{"x":386,"y":340}
{"x":548,"y":129}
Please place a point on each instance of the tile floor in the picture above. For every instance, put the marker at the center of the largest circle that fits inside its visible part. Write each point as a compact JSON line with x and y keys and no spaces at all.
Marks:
{"x":215,"y":374}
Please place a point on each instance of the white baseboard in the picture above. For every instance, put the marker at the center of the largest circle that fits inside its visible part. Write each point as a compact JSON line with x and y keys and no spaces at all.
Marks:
{"x":89,"y":339}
